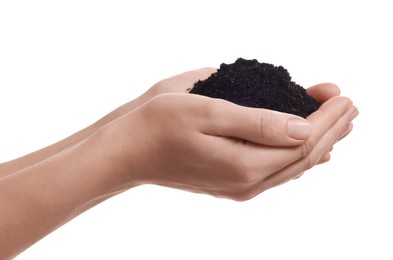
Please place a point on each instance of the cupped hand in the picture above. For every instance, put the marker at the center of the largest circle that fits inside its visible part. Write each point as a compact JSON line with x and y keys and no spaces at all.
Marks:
{"x":215,"y":147}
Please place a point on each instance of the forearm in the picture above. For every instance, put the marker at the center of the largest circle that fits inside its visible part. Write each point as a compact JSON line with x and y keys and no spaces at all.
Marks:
{"x":40,"y":198}
{"x":18,"y":164}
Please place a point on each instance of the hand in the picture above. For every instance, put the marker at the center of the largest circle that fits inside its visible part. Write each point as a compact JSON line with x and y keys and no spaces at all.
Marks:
{"x":215,"y":147}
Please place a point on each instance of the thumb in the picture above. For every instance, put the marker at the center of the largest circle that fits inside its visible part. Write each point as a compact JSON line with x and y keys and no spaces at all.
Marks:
{"x":259,"y":125}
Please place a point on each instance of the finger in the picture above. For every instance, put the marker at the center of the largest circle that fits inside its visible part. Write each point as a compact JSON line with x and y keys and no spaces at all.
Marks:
{"x":279,"y":157}
{"x":323,"y":92}
{"x":321,"y":148}
{"x":261,"y":126}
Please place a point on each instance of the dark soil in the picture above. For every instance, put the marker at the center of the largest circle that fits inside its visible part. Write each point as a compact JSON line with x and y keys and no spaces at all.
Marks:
{"x":261,"y":85}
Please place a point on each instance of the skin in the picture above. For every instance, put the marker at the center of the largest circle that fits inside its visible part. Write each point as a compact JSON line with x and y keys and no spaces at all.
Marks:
{"x":162,"y":138}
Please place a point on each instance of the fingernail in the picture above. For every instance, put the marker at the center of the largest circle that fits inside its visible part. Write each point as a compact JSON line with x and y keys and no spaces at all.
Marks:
{"x":299,"y":129}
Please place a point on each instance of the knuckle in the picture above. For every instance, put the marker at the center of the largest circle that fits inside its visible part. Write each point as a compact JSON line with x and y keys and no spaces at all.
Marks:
{"x":160,"y":87}
{"x":265,"y":126}
{"x":311,"y":161}
{"x":245,"y":171}
{"x":308,"y":146}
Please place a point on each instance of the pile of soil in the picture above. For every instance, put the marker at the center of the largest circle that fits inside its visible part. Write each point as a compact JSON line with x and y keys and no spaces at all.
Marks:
{"x":261,"y":85}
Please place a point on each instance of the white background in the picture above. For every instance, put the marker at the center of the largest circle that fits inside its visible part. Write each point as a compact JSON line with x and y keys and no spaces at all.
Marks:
{"x":64,"y":64}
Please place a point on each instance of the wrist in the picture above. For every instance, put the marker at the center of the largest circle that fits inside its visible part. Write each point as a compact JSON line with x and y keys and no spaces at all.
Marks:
{"x":115,"y":166}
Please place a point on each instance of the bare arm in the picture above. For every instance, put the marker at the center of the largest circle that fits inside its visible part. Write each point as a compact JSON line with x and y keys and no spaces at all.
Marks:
{"x":18,"y":164}
{"x":40,"y":198}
